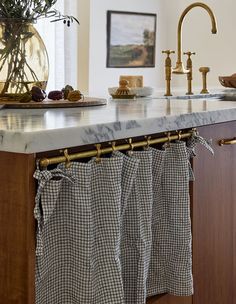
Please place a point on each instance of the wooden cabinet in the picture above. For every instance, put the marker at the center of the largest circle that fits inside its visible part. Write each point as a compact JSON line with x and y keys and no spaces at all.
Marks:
{"x":168,"y":299}
{"x":213,"y":198}
{"x":214,"y":219}
{"x":17,"y":228}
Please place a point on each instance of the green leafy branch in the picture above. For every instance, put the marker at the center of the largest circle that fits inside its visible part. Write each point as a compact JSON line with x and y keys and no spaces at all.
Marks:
{"x":15,"y":19}
{"x":32,"y":10}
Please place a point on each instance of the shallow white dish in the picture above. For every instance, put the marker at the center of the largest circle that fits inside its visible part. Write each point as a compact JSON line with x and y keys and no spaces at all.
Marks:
{"x":140,"y":92}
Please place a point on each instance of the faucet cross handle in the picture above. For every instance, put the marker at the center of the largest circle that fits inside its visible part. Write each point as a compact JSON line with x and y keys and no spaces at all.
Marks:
{"x":168,"y":59}
{"x":189,"y":54}
{"x":189,"y":66}
{"x":189,"y":60}
{"x":168,"y":52}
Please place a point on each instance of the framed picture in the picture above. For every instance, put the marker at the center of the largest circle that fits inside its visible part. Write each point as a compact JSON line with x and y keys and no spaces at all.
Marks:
{"x":131,"y":39}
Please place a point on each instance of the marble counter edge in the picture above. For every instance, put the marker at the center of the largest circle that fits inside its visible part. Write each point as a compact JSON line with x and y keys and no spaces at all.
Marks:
{"x":41,"y":141}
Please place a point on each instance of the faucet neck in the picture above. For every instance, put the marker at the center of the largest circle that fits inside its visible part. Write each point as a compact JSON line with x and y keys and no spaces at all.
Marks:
{"x":179,"y":65}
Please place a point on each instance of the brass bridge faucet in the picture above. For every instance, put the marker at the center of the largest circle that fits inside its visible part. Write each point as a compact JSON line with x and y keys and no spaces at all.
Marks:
{"x":180,"y":69}
{"x":190,"y":73}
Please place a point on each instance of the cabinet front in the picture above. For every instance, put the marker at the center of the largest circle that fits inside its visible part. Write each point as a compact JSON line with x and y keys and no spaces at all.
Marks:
{"x":214,"y":218}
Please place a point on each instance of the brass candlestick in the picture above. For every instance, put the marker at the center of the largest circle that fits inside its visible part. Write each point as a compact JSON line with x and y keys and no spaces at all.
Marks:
{"x":168,"y":67}
{"x":204,"y":71}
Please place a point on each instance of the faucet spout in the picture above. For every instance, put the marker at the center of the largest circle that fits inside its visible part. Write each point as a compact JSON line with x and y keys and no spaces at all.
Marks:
{"x":180,"y":69}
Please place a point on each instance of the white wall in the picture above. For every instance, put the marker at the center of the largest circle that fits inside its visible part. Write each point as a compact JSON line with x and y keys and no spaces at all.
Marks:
{"x":215,"y":51}
{"x":83,"y":45}
{"x":100,"y":77}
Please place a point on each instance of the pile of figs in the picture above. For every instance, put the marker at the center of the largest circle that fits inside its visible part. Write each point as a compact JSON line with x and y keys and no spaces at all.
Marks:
{"x":38,"y":95}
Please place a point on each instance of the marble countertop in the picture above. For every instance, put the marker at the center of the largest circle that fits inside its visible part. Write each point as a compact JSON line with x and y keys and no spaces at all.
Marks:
{"x":38,"y":130}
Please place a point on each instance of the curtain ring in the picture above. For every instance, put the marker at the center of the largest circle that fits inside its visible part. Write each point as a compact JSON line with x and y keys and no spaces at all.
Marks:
{"x":99,"y":152}
{"x":148,"y":138}
{"x":169,"y":137}
{"x":130,"y":152}
{"x":179,"y":135}
{"x":113,"y":146}
{"x":131,"y":144}
{"x":67,"y":156}
{"x":38,"y":164}
{"x":194,"y":132}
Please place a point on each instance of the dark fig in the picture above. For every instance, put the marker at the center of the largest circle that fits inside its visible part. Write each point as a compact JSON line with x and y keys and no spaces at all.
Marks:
{"x":55,"y":95}
{"x":38,"y":94}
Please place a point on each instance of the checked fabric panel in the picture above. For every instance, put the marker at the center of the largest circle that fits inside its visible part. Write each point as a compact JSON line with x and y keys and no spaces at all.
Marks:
{"x":116,"y":231}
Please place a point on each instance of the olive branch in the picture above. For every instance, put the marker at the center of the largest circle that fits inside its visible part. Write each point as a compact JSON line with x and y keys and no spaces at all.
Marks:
{"x":32,"y":10}
{"x":15,"y":15}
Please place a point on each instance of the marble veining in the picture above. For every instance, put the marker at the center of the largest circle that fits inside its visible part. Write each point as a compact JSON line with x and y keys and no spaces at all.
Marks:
{"x":38,"y":130}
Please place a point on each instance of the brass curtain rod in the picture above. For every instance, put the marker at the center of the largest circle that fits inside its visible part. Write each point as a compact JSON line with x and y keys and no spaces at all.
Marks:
{"x":66,"y":158}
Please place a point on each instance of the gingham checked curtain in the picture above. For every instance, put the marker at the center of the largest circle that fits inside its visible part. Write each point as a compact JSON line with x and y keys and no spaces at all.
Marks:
{"x":117,"y":231}
{"x":170,"y":268}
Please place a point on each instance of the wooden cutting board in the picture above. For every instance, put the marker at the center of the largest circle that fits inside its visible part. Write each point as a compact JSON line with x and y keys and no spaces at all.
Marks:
{"x":47,"y":103}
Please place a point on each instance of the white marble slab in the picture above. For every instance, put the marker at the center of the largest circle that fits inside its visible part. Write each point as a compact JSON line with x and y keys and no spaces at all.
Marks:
{"x":30,"y":131}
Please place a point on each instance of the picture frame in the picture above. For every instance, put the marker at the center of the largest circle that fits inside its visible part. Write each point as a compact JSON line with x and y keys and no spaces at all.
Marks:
{"x":131,"y":39}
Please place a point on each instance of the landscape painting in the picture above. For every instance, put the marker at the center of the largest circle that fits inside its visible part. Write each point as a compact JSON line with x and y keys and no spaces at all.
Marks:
{"x":131,"y":39}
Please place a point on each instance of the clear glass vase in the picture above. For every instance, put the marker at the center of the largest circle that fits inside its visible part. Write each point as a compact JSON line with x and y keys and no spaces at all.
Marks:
{"x":23,"y":58}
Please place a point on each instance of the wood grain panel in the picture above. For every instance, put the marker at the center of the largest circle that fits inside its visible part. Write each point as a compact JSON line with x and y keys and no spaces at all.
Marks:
{"x":168,"y":299}
{"x":17,"y":229}
{"x":214,"y":219}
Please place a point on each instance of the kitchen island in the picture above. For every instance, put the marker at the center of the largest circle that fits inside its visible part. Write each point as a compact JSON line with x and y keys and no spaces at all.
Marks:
{"x":26,"y":135}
